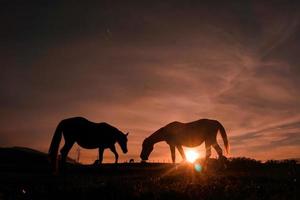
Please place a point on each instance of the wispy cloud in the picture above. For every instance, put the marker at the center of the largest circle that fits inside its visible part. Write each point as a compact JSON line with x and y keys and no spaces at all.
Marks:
{"x":164,"y":63}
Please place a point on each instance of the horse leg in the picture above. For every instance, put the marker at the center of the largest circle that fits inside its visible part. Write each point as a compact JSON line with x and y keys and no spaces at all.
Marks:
{"x":172,"y":149}
{"x":207,"y":150}
{"x":207,"y":154}
{"x":100,"y":150}
{"x":64,"y":152}
{"x":220,"y":154}
{"x":113,"y":149}
{"x":180,"y":149}
{"x":218,"y":149}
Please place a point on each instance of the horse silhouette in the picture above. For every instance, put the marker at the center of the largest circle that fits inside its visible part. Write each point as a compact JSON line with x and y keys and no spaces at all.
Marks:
{"x":191,"y":134}
{"x":88,"y":135}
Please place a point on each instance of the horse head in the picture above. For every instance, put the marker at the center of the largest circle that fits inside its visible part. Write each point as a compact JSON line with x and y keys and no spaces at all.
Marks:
{"x":146,"y":150}
{"x":122,"y":140}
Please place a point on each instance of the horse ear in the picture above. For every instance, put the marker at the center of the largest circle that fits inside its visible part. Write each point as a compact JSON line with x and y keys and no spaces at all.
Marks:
{"x":127,"y":134}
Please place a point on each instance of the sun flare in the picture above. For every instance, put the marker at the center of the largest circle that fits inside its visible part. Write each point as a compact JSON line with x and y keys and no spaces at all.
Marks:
{"x":191,"y":155}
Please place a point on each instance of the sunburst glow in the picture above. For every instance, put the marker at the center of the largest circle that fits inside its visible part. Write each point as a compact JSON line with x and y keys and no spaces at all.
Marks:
{"x":191,"y":155}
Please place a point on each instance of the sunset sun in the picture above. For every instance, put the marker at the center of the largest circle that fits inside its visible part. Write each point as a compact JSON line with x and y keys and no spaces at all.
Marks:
{"x":191,"y":155}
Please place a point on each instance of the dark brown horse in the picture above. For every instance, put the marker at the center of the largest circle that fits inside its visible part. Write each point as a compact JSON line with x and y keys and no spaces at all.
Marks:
{"x":88,"y":135}
{"x":191,"y":134}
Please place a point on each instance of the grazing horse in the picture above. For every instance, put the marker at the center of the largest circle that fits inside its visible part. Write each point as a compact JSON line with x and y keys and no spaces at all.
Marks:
{"x":88,"y":135}
{"x":191,"y":134}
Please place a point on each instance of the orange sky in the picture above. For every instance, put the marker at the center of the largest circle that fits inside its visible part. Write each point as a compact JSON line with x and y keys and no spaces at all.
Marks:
{"x":139,"y":66}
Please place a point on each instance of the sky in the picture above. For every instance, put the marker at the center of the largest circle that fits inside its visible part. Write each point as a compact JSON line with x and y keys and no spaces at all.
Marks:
{"x":140,"y":66}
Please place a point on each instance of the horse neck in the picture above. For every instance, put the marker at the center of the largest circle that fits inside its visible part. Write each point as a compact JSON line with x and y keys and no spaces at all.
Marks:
{"x":118,"y":135}
{"x":157,"y":136}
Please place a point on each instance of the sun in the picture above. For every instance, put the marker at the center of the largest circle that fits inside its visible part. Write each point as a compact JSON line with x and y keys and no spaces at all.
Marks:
{"x":191,"y":155}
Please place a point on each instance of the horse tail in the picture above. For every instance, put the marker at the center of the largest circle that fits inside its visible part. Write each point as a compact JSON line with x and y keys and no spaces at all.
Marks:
{"x":54,"y":146}
{"x":224,"y":137}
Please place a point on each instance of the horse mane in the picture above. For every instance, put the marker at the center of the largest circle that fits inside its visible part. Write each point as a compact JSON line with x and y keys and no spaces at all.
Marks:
{"x":157,"y":136}
{"x":117,"y":131}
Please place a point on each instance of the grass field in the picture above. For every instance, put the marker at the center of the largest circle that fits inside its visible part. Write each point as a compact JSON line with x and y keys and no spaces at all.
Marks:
{"x":240,"y":180}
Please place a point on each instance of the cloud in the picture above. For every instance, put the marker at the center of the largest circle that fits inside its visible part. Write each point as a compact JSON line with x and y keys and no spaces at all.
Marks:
{"x":276,"y":138}
{"x":140,"y":67}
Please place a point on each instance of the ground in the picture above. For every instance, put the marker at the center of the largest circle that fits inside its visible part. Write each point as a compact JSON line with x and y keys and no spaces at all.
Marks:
{"x":152,"y":181}
{"x":25,"y":174}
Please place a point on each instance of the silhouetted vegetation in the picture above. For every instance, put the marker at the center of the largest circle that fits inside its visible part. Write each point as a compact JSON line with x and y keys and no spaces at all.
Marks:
{"x":243,"y":162}
{"x":281,"y":162}
{"x":243,"y":178}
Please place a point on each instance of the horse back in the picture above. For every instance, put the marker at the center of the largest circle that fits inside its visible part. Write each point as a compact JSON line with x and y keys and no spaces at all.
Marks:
{"x":88,"y":133}
{"x":192,"y":133}
{"x":77,"y":124}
